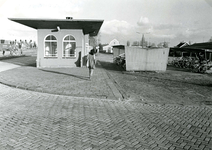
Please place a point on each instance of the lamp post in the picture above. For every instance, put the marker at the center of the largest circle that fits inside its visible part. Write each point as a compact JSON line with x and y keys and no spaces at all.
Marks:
{"x":143,"y":37}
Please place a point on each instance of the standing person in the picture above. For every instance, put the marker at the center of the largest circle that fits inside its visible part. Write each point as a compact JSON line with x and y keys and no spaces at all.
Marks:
{"x":3,"y":52}
{"x":20,"y":46}
{"x":91,"y":61}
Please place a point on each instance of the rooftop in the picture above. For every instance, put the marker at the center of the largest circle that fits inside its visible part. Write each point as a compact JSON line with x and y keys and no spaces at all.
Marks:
{"x":88,"y":26}
{"x":196,"y":47}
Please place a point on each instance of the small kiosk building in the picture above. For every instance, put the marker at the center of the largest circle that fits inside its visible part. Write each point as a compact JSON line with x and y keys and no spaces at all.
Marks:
{"x":62,"y":42}
{"x":117,"y":50}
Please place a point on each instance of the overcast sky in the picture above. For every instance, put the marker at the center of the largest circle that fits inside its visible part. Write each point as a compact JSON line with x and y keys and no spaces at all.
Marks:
{"x":165,"y":20}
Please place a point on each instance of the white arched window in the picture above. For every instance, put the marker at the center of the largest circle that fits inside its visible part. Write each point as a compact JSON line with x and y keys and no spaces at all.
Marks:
{"x":50,"y":46}
{"x":69,"y":46}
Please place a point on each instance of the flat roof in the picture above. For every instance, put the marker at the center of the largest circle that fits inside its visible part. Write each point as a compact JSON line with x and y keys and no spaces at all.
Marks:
{"x":196,"y":47}
{"x":119,"y":46}
{"x":205,"y":45}
{"x":88,"y":26}
{"x":190,"y":49}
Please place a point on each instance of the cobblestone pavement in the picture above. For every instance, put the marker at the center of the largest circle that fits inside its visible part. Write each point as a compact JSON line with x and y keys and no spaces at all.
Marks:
{"x":62,"y":81}
{"x":37,"y":120}
{"x":170,"y":87}
{"x":31,"y":120}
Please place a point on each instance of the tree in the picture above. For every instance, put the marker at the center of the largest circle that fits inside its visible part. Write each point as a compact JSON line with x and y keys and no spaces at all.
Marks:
{"x":128,"y":43}
{"x":165,"y":44}
{"x":210,"y":40}
{"x":135,"y":43}
{"x":99,"y":38}
{"x":93,"y":41}
{"x":100,"y":47}
{"x":143,"y":42}
{"x":152,"y":45}
{"x":160,"y":44}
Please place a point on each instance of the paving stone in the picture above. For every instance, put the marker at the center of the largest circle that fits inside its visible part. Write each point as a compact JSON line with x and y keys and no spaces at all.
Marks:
{"x":33,"y":120}
{"x":87,"y":129}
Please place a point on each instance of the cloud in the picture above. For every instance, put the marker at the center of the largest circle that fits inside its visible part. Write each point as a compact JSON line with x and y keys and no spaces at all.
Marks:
{"x":143,"y":21}
{"x":209,"y":2}
{"x":2,"y":2}
{"x":124,"y":31}
{"x":41,"y":8}
{"x":164,"y":36}
{"x":32,"y":9}
{"x":167,"y":26}
{"x":116,"y":26}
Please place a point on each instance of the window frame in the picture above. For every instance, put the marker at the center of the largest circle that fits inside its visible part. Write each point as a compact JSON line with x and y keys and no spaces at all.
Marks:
{"x":50,"y":41}
{"x":69,"y":41}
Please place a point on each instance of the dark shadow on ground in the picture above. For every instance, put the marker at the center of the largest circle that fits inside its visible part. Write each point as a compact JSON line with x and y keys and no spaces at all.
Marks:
{"x":11,"y":57}
{"x":154,"y":75}
{"x":22,"y":60}
{"x":72,"y":75}
{"x":178,"y":69}
{"x":109,"y":66}
{"x":167,"y":76}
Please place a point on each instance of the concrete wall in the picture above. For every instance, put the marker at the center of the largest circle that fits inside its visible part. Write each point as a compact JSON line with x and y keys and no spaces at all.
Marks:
{"x":60,"y":61}
{"x":138,"y":59}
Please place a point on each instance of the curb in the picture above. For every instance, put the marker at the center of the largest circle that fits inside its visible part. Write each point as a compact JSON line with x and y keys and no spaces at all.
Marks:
{"x":111,"y":84}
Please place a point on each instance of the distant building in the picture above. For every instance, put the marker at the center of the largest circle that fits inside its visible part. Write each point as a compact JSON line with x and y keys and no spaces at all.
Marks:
{"x":62,"y":42}
{"x":184,"y":49}
{"x":182,"y":44}
{"x":109,"y":48}
{"x":117,"y":50}
{"x":114,"y":42}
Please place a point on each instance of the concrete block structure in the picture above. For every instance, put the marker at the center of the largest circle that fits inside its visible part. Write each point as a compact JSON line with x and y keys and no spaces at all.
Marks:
{"x":138,"y":59}
{"x":62,"y":42}
{"x":117,"y":50}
